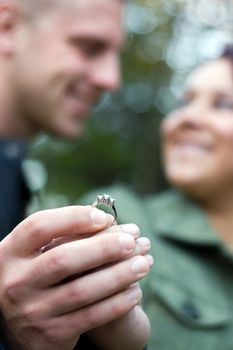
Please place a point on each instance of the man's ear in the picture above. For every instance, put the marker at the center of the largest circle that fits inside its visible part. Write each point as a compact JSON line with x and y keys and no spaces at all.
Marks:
{"x":9,"y":20}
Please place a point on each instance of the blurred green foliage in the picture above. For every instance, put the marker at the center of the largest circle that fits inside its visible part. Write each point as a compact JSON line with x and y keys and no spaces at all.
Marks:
{"x":166,"y":38}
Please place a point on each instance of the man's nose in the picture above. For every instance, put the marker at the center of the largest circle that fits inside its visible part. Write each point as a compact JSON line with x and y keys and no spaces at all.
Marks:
{"x":107,"y":75}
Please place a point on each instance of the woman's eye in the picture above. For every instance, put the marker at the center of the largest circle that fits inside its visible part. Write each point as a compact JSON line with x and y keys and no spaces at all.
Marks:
{"x":224,"y":104}
{"x":183,"y":102}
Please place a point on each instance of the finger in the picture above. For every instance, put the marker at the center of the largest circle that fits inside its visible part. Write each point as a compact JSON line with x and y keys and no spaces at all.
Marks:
{"x":90,"y":289}
{"x":103,"y":312}
{"x":40,"y":228}
{"x":80,"y":256}
{"x":143,"y":246}
{"x":75,"y":258}
{"x":131,"y":229}
{"x":64,"y":239}
{"x":127,"y":228}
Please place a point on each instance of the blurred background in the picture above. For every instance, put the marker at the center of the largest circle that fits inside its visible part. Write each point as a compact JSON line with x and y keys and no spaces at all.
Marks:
{"x":166,"y":38}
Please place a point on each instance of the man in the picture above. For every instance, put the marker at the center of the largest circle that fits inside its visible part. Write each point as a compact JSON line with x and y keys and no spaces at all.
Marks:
{"x":57,"y":57}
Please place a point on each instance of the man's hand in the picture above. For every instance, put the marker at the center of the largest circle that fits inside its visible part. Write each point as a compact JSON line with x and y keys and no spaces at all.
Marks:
{"x":49,"y":298}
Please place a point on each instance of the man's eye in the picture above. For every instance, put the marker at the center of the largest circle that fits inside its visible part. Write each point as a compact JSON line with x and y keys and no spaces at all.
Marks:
{"x":88,"y":47}
{"x":92,"y":49}
{"x":224,"y":104}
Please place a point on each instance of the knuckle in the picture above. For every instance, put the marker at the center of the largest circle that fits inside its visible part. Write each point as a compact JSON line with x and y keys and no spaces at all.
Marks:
{"x":51,"y":334}
{"x":57,"y":333}
{"x":93,"y":317}
{"x":118,"y":309}
{"x":104,"y":246}
{"x":57,"y":263}
{"x":121,"y":279}
{"x":90,"y":319}
{"x":33,"y":224}
{"x":11,"y":290}
{"x":30,"y":313}
{"x":77,"y":294}
{"x":109,"y":246}
{"x":18,"y":307}
{"x":120,"y":306}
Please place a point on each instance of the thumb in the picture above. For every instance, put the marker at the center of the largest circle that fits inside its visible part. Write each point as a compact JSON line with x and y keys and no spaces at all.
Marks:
{"x":42,"y":227}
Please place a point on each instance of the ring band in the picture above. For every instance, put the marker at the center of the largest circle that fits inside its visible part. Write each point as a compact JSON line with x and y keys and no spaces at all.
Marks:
{"x":105,"y":199}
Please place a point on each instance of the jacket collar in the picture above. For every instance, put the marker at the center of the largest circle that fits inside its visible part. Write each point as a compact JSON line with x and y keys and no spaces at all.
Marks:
{"x":176,"y":217}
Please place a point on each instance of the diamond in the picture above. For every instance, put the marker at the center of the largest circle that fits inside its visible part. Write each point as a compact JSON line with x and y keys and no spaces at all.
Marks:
{"x":105,"y":199}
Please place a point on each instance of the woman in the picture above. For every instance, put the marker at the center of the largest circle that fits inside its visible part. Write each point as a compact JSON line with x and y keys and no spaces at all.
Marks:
{"x":189,"y":294}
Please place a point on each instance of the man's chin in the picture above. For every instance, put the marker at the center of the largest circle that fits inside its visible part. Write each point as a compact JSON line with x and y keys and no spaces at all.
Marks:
{"x":69,"y":133}
{"x":74,"y":134}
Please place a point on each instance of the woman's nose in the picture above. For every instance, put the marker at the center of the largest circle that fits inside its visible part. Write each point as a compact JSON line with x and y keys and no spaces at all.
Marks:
{"x":190,"y":116}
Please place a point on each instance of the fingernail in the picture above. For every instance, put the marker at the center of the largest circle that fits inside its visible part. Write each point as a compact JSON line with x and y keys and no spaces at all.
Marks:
{"x":139,"y":265}
{"x":134,"y":294}
{"x":127,"y":242}
{"x":150,"y":259}
{"x":98,"y":217}
{"x":144,"y":242}
{"x":132,"y":229}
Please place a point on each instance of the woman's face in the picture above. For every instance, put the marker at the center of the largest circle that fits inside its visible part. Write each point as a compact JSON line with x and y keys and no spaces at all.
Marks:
{"x":198,"y":137}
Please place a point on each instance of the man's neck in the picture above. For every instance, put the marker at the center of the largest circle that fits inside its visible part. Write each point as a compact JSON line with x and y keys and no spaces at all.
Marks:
{"x":11,"y":125}
{"x":10,"y":128}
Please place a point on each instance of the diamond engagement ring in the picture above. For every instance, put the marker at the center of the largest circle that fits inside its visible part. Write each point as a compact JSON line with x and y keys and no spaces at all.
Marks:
{"x":106,"y":200}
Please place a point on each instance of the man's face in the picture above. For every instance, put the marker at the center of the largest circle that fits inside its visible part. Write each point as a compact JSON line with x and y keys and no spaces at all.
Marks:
{"x":66,"y":59}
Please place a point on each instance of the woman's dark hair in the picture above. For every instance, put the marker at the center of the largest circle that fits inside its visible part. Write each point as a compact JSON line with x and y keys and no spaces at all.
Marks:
{"x":228,"y":53}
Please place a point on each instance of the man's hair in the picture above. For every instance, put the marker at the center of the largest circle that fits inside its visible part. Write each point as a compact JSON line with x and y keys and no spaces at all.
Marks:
{"x":36,"y":6}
